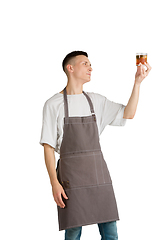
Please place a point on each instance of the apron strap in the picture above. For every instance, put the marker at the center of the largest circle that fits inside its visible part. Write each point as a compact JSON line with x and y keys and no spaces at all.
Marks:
{"x":90,"y":102}
{"x":66,"y":103}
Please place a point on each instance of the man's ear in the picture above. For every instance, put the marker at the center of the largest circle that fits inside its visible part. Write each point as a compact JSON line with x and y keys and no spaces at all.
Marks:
{"x":69,"y":68}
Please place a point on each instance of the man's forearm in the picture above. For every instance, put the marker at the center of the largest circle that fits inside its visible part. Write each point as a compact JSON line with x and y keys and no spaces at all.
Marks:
{"x":140,"y":75}
{"x":131,"y":107}
{"x":50,"y":163}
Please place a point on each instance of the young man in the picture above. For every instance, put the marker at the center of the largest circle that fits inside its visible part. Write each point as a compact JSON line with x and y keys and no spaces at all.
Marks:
{"x":72,"y":122}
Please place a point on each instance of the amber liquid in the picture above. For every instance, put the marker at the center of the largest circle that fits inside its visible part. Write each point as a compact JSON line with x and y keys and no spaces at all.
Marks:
{"x":141,"y":59}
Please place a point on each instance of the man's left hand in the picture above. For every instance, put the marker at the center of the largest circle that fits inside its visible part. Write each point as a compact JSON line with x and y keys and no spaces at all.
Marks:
{"x":141,"y":72}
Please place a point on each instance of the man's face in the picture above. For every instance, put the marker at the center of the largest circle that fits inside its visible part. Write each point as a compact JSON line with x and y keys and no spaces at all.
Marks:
{"x":82,"y":69}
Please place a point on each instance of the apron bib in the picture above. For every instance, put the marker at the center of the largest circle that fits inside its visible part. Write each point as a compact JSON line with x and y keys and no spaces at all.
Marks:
{"x":83,"y":173}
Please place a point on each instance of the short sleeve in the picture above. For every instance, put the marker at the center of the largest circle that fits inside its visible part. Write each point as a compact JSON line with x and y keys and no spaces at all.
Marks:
{"x":49,"y":126}
{"x":119,"y":120}
{"x":112,"y":114}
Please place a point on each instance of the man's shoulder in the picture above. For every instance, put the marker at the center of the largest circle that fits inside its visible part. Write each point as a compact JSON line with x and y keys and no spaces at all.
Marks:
{"x":54,"y":101}
{"x":96,"y":96}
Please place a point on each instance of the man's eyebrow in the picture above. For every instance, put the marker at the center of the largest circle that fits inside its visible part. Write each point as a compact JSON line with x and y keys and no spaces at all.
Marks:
{"x":87,"y":62}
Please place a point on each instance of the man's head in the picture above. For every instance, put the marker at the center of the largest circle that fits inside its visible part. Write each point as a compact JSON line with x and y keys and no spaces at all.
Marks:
{"x":77,"y":66}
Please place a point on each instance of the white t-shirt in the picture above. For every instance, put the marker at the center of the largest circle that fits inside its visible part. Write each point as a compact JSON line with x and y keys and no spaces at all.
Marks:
{"x":107,"y":113}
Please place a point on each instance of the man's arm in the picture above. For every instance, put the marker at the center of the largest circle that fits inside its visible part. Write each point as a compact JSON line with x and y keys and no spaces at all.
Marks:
{"x":131,"y":107}
{"x":57,"y":188}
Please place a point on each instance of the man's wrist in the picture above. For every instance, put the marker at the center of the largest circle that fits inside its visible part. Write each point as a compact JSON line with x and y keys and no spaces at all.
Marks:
{"x":136,"y":83}
{"x":54,"y":181}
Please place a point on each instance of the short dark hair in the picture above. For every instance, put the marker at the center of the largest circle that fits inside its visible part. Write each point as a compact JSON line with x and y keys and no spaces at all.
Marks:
{"x":71,"y":55}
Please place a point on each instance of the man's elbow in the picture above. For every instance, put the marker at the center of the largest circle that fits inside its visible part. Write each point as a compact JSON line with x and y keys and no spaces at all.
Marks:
{"x":128,"y":117}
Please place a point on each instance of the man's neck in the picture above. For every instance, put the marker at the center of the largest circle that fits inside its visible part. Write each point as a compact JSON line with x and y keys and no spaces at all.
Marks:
{"x":73,"y":89}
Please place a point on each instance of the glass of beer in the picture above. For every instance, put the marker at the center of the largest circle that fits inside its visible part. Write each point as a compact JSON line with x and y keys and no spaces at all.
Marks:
{"x":141,"y":58}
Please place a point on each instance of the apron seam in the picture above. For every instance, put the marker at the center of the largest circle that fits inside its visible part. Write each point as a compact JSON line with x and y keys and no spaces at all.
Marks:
{"x":102,"y":170}
{"x":95,"y":169}
{"x":79,"y":117}
{"x":81,"y":151}
{"x":81,"y":155}
{"x":81,"y":122}
{"x":89,"y":186}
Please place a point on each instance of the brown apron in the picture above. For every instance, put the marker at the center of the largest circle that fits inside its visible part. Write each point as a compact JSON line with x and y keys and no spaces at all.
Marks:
{"x":83,"y":173}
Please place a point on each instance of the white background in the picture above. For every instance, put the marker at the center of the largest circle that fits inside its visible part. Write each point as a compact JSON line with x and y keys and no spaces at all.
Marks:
{"x":35,"y":37}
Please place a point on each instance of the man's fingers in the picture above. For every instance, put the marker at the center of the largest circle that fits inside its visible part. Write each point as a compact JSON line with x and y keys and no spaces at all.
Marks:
{"x":59,"y":195}
{"x":64,"y":195}
{"x":140,"y":69}
{"x":60,"y":202}
{"x":148,"y":67}
{"x":142,"y":72}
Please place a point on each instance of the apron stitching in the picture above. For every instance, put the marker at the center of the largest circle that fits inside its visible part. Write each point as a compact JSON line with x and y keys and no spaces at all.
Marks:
{"x":98,"y":185}
{"x":79,"y":123}
{"x":95,"y":167}
{"x":81,"y":151}
{"x":102,"y":171}
{"x":87,"y":150}
{"x":85,"y":117}
{"x":80,"y":155}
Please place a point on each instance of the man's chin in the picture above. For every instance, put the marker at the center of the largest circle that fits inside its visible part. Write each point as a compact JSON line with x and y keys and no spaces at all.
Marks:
{"x":86,"y":80}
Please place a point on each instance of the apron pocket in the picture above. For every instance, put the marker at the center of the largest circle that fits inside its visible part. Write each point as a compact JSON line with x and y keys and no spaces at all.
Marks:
{"x":78,"y":171}
{"x":83,"y":170}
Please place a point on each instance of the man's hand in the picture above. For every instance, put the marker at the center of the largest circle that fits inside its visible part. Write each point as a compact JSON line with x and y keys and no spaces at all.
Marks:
{"x":57,"y":190}
{"x":142,"y":73}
